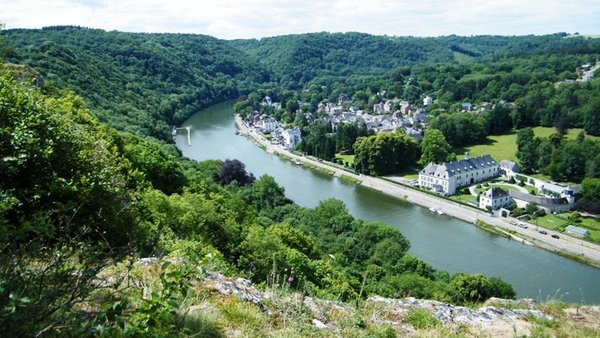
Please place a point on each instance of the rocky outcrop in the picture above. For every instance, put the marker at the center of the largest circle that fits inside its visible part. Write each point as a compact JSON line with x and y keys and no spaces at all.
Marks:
{"x":448,"y":313}
{"x":239,"y":287}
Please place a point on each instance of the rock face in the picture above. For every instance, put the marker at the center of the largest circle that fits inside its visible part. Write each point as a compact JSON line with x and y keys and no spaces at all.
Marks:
{"x":487,"y":316}
{"x":239,"y":287}
{"x":447,"y":313}
{"x":495,"y":318}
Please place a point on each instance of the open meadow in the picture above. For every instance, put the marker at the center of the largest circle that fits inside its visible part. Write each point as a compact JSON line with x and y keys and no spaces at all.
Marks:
{"x":504,"y":147}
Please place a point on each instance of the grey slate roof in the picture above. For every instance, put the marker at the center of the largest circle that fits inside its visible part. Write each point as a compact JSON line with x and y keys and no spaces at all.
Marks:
{"x":496,"y":192}
{"x":449,"y":169}
{"x":539,"y":200}
{"x":506,"y":164}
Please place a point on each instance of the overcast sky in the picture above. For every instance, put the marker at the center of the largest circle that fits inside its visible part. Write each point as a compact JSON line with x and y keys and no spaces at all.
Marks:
{"x":233,"y":19}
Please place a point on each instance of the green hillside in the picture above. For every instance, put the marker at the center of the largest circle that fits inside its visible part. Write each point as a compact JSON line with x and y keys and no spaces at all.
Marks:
{"x":141,"y":83}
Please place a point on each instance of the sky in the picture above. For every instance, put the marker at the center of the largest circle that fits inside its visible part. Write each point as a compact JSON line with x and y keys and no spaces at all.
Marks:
{"x":244,"y":19}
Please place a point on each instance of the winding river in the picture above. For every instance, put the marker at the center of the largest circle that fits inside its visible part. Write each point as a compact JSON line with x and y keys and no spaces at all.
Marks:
{"x":443,"y":242}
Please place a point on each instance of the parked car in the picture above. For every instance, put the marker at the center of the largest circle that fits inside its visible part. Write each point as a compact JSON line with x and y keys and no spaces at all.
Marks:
{"x":555,"y":236}
{"x":513,"y":222}
{"x":523,"y":225}
{"x":543,"y":232}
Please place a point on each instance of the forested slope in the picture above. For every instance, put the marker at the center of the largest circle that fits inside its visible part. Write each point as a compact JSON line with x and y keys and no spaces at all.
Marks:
{"x":136,"y":82}
{"x":141,"y":83}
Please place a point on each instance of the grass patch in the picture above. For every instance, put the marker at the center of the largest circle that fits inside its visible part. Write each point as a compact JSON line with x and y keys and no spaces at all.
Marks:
{"x":345,"y":159}
{"x":463,"y":195}
{"x":504,"y":147}
{"x":559,"y":222}
{"x":421,"y":319}
{"x":321,"y":169}
{"x":411,"y":173}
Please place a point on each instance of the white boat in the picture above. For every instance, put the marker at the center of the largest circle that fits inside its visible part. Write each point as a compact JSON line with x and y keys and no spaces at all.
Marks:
{"x":297,"y":162}
{"x":432,"y":209}
{"x":440,"y":212}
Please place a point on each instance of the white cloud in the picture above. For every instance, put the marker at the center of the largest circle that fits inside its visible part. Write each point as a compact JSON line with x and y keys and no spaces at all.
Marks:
{"x":230,"y":19}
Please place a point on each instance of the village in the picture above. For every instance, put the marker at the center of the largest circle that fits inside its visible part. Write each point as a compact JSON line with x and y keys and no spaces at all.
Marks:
{"x":444,"y":179}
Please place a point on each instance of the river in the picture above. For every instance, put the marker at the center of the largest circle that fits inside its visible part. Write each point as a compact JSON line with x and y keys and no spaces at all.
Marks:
{"x":441,"y":241}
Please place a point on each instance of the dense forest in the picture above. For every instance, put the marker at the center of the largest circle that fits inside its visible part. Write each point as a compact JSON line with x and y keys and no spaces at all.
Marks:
{"x":91,"y":181}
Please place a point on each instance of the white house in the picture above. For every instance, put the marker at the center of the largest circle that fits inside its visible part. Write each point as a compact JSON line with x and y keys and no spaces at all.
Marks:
{"x":510,"y":168}
{"x":445,"y":178}
{"x":427,"y":100}
{"x":267,"y":124}
{"x":495,"y":198}
{"x":291,"y":138}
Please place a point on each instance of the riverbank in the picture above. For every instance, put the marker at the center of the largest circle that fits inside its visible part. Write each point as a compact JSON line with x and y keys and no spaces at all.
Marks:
{"x":566,"y":245}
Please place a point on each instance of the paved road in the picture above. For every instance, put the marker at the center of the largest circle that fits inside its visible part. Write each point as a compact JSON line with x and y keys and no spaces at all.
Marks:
{"x":530,"y":235}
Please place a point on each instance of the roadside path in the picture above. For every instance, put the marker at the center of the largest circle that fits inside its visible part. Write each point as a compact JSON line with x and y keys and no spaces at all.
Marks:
{"x":530,"y":235}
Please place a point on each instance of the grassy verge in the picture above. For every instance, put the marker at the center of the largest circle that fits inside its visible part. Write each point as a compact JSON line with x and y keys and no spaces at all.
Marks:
{"x":349,"y":179}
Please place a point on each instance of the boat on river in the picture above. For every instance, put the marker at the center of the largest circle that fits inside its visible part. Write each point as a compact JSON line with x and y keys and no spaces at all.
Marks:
{"x":432,"y":209}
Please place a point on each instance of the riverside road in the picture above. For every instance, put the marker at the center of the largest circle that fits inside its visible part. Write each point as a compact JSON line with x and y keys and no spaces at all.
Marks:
{"x":565,"y":244}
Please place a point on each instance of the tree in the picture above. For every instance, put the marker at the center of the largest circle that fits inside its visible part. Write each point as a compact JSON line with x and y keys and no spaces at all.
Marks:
{"x":531,"y":208}
{"x":345,"y":136}
{"x":562,"y":125}
{"x":266,"y":193}
{"x":527,"y":149}
{"x":466,"y":289}
{"x":234,"y":170}
{"x":499,"y":121}
{"x":592,"y":116}
{"x":384,"y":153}
{"x":544,"y":154}
{"x":590,"y":189}
{"x":435,"y":149}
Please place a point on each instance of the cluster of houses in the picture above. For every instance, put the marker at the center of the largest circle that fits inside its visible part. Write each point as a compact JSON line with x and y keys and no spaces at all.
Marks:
{"x":287,"y":137}
{"x":412,"y":120}
{"x":446,"y":178}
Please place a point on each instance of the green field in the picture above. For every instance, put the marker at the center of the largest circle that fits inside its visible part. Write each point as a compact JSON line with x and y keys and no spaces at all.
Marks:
{"x":557,"y":222}
{"x":504,"y":147}
{"x":345,"y":159}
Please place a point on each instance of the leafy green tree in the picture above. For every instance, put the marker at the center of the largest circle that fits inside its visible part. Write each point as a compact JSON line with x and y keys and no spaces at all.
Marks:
{"x":466,"y":289}
{"x":345,"y":136}
{"x":384,"y":153}
{"x":592,"y":116}
{"x":410,"y":264}
{"x":527,"y":148}
{"x":266,"y":193}
{"x":544,"y":154}
{"x":435,"y":149}
{"x":570,"y":161}
{"x":590,"y":189}
{"x":159,"y":168}
{"x":498,"y":121}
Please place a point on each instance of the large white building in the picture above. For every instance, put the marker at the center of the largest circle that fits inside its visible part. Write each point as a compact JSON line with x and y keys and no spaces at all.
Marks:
{"x":445,"y":178}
